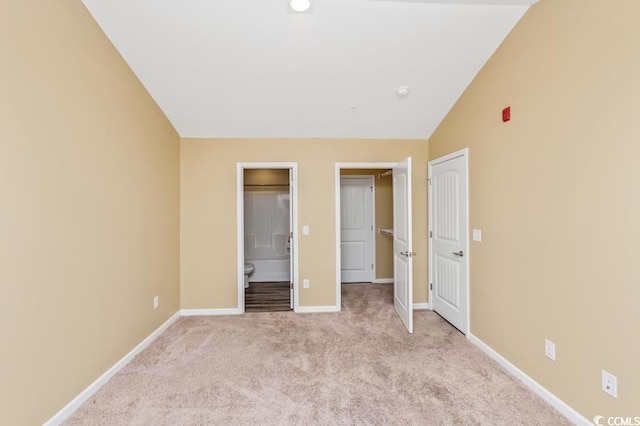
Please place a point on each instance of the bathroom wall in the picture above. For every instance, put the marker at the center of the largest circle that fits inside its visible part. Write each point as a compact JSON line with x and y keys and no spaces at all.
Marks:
{"x":265,"y":177}
{"x":384,"y":220}
{"x":266,"y":225}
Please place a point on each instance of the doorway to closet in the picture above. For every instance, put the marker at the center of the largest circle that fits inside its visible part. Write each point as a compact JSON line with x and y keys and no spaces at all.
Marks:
{"x":267,"y":213}
{"x":351,"y":230}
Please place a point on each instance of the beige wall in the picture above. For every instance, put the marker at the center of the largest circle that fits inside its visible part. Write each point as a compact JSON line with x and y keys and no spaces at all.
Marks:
{"x":208,"y":211}
{"x":266,"y":177}
{"x":555,"y":192}
{"x":384,"y":219}
{"x":89,"y":219}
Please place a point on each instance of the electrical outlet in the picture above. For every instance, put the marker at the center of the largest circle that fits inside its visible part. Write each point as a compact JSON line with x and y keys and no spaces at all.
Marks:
{"x":550,"y":349}
{"x":305,"y":283}
{"x":156,"y":302}
{"x":609,"y":384}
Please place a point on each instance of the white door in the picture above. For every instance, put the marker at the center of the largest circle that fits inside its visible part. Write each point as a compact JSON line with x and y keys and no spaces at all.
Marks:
{"x":290,"y":241}
{"x":356,"y":229}
{"x":449,"y":238}
{"x":402,"y":246}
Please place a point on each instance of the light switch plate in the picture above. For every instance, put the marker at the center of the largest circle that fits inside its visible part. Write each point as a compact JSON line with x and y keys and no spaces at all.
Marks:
{"x":305,"y":229}
{"x":477,"y":235}
{"x":550,"y":349}
{"x":609,"y":384}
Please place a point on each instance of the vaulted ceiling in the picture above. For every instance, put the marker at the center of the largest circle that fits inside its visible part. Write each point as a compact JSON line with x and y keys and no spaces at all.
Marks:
{"x":253,"y":69}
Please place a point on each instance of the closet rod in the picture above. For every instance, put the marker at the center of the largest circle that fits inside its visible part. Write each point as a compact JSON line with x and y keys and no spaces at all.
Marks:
{"x":387,"y":173}
{"x":266,"y":184}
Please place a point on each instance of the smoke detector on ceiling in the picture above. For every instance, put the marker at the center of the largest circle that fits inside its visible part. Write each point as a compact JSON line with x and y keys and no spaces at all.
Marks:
{"x":402,"y":92}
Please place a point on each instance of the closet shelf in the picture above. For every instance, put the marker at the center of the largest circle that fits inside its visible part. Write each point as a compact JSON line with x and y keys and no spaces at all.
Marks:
{"x":386,"y":231}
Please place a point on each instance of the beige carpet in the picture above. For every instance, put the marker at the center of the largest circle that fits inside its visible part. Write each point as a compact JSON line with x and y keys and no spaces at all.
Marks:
{"x":358,"y":366}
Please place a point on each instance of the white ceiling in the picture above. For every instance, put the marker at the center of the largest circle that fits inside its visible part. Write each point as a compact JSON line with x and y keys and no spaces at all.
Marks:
{"x":250,"y":69}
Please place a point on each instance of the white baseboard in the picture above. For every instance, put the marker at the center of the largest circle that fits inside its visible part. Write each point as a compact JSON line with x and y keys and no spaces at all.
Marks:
{"x":209,"y":312}
{"x":76,"y":402}
{"x":314,"y":309}
{"x":537,"y":388}
{"x":383,"y":281}
{"x":421,"y":306}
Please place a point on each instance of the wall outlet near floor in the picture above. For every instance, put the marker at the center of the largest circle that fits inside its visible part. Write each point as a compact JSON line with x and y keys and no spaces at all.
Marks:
{"x":609,"y":384}
{"x":156,"y":302}
{"x":305,"y":283}
{"x":550,"y":349}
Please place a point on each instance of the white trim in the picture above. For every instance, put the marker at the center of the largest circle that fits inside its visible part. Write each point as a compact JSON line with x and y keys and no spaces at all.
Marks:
{"x":83,"y":396}
{"x":422,"y":306}
{"x":240,"y":236}
{"x":314,"y":309}
{"x":383,"y":281}
{"x":340,"y":166}
{"x":460,"y":153}
{"x":537,"y":388}
{"x":372,"y":207}
{"x":240,"y":167}
{"x":211,"y":312}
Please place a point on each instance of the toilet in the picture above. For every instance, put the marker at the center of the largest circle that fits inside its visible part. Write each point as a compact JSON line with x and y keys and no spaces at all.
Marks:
{"x":248,"y":270}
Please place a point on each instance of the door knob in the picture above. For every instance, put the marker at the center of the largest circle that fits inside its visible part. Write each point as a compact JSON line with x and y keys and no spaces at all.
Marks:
{"x":459,"y":254}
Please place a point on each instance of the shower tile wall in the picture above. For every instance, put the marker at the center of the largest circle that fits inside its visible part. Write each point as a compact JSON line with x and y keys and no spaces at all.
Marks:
{"x":266,"y":225}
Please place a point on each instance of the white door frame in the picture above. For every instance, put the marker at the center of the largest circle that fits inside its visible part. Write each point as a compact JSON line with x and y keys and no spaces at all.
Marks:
{"x":465,"y":154}
{"x":340,"y":166}
{"x":372,"y":206}
{"x":240,"y":168}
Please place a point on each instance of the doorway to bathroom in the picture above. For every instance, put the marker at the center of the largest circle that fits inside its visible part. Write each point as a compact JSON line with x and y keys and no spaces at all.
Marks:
{"x":267,"y":241}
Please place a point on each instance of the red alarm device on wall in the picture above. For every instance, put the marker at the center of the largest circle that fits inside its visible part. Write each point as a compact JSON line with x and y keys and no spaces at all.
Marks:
{"x":506,"y":114}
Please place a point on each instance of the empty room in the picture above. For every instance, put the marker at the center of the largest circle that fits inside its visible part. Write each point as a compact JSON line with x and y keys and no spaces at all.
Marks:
{"x":443,"y":193}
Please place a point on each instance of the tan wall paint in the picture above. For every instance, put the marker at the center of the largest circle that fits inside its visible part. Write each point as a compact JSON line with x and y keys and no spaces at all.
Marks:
{"x":89,"y":219}
{"x":555,"y":192}
{"x":384,"y":219}
{"x":266,"y":177}
{"x":208,"y":211}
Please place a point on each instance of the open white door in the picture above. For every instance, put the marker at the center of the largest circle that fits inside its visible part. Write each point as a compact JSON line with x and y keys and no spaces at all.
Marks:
{"x":402,"y":245}
{"x":449,"y":261}
{"x":290,"y":242}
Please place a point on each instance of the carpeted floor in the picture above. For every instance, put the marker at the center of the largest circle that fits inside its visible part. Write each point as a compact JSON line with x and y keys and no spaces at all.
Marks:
{"x":358,"y":366}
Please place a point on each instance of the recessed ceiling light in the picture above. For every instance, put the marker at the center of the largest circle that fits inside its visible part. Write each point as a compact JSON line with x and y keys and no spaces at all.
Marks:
{"x":300,"y":6}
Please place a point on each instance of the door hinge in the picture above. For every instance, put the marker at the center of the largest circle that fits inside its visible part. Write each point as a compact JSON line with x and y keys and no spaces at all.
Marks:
{"x":372,"y":266}
{"x":291,"y":286}
{"x":371,"y":188}
{"x":430,"y":286}
{"x":429,"y":180}
{"x":430,"y":234}
{"x":372,"y":227}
